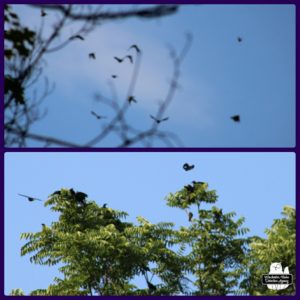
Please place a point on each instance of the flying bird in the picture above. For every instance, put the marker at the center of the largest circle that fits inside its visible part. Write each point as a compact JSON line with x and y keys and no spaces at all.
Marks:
{"x":92,"y":55}
{"x":137,"y":49}
{"x":236,"y":118}
{"x":188,"y":167}
{"x":190,"y":216}
{"x":77,"y":36}
{"x":43,"y":13}
{"x":120,"y":60}
{"x":159,"y":120}
{"x":29,"y":198}
{"x":114,"y":76}
{"x":131,"y":99}
{"x":239,"y":39}
{"x":98,"y":116}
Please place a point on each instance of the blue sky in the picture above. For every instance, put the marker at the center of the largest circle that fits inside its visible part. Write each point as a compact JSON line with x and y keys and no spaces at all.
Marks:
{"x":219,"y":78}
{"x":254,"y":185}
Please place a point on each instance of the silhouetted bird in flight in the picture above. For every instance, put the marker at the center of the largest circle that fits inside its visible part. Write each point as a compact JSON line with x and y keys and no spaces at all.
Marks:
{"x":120,"y":60}
{"x":114,"y":76}
{"x":159,"y":120}
{"x":92,"y":55}
{"x":98,"y":116}
{"x":236,"y":118}
{"x":131,"y":99}
{"x":104,"y":205}
{"x":239,"y":39}
{"x":137,"y":49}
{"x":190,"y":216}
{"x":77,"y":36}
{"x":151,"y":286}
{"x":188,"y":167}
{"x":29,"y":198}
{"x":43,"y":13}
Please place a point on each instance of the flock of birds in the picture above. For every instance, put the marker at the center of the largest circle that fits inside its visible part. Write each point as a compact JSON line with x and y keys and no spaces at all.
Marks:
{"x":130,"y":99}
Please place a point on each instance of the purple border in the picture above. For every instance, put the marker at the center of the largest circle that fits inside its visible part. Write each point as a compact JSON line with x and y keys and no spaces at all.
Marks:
{"x":3,"y":150}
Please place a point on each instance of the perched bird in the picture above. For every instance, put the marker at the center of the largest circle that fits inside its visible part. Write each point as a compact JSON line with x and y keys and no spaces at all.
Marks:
{"x":151,"y":286}
{"x":56,"y":193}
{"x":131,"y":99}
{"x":104,"y":205}
{"x":29,"y":198}
{"x":197,"y":182}
{"x":80,"y":197}
{"x":189,"y":188}
{"x":190,"y":216}
{"x":44,"y":225}
{"x":137,"y":49}
{"x":159,"y":120}
{"x":239,"y":39}
{"x":236,"y":118}
{"x":43,"y":13}
{"x":120,"y":60}
{"x":188,"y":167}
{"x":114,"y":76}
{"x":98,"y":116}
{"x":77,"y":36}
{"x":92,"y":55}
{"x":72,"y":192}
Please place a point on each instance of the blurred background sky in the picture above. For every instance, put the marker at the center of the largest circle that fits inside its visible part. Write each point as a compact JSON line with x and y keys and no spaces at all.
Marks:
{"x":220,"y":77}
{"x":254,"y":185}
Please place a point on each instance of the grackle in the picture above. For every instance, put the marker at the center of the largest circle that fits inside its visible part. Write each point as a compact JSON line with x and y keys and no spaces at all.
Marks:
{"x":29,"y":198}
{"x":188,"y":167}
{"x":56,"y":193}
{"x":131,"y":99}
{"x":236,"y":118}
{"x":92,"y":55}
{"x":159,"y":120}
{"x":77,"y":36}
{"x":190,"y":216}
{"x":104,"y":205}
{"x":189,"y":188}
{"x":120,"y":60}
{"x":137,"y":49}
{"x":98,"y":116}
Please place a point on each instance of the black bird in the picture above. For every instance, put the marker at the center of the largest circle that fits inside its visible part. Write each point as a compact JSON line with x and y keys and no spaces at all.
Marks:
{"x":104,"y":205}
{"x":72,"y":192}
{"x":198,"y":182}
{"x":189,"y":188}
{"x":159,"y":120}
{"x":92,"y":55}
{"x":190,"y":216}
{"x":151,"y":286}
{"x":188,"y":167}
{"x":239,"y":39}
{"x":29,"y":198}
{"x":98,"y":116}
{"x":114,"y":76}
{"x":80,"y":197}
{"x":236,"y":118}
{"x":44,"y":225}
{"x":56,"y":193}
{"x":77,"y":36}
{"x":131,"y":99}
{"x":137,"y":49}
{"x":120,"y":60}
{"x":43,"y":13}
